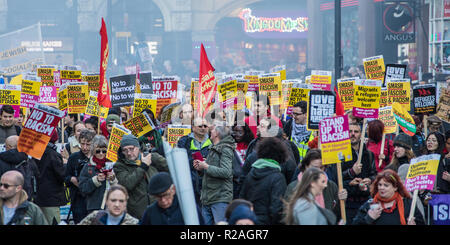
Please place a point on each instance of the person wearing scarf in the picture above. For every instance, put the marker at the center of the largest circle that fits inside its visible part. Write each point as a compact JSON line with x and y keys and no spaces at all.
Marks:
{"x":97,"y":176}
{"x":391,"y":203}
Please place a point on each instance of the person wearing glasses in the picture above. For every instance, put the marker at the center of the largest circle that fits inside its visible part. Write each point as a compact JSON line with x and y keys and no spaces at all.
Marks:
{"x":97,"y":176}
{"x":296,"y":131}
{"x":134,"y":169}
{"x":15,"y":209}
{"x":435,"y":145}
{"x":197,"y":141}
{"x":166,"y":210}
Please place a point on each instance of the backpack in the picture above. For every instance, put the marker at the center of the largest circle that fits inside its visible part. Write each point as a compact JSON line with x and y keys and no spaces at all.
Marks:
{"x":30,"y":173}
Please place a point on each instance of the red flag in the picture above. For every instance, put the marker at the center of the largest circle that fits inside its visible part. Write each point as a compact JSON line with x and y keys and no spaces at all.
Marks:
{"x":339,"y":106}
{"x":103,"y":90}
{"x":138,"y":78}
{"x":207,"y":84}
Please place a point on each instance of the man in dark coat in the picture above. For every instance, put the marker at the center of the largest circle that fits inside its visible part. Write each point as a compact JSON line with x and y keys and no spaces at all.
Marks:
{"x":50,"y":187}
{"x":166,"y":210}
{"x":265,"y":185}
{"x":73,"y":169}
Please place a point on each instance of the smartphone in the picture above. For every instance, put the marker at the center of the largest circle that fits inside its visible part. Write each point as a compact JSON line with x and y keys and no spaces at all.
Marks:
{"x":197,"y":156}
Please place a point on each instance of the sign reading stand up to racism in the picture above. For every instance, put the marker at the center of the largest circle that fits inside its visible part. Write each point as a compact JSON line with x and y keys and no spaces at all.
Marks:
{"x":335,"y":139}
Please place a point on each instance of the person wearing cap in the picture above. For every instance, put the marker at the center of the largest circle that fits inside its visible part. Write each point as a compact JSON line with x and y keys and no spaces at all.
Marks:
{"x":166,"y":210}
{"x":402,"y":151}
{"x":242,"y":215}
{"x":110,"y":120}
{"x":134,"y":170}
{"x":434,"y":124}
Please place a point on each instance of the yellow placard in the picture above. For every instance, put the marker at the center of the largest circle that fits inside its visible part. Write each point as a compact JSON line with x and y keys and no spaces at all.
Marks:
{"x":9,"y":97}
{"x":227,"y":93}
{"x":298,"y":94}
{"x":72,"y":75}
{"x":175,"y":132}
{"x":93,"y":108}
{"x":386,"y":115}
{"x":17,"y":80}
{"x":374,"y":68}
{"x":31,"y":87}
{"x":270,"y":85}
{"x":384,"y":97}
{"x":139,"y":125}
{"x":77,"y":96}
{"x":329,"y":151}
{"x":63,"y":101}
{"x":399,"y":90}
{"x":346,"y":92}
{"x":321,"y":79}
{"x":142,"y":102}
{"x":116,"y":136}
{"x":93,"y":81}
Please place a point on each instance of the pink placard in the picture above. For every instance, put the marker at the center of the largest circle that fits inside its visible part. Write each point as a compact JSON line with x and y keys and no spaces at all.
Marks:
{"x":47,"y":95}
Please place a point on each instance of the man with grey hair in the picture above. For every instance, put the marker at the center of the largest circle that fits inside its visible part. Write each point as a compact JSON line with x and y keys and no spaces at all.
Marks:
{"x":15,"y":209}
{"x":11,"y":142}
{"x":217,"y":171}
{"x":74,"y":166}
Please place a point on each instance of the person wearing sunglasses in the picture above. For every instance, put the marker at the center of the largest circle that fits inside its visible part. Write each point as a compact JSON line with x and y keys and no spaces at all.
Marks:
{"x":97,"y":176}
{"x":15,"y":209}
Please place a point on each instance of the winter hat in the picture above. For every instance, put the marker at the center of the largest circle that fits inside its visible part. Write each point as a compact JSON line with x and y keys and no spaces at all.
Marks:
{"x":159,"y":183}
{"x":242,"y":212}
{"x":129,"y":139}
{"x":434,"y":120}
{"x":111,"y":118}
{"x":403,"y":140}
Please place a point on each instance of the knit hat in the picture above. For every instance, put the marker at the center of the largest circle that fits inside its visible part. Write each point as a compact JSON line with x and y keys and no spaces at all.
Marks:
{"x":403,"y":140}
{"x":159,"y":183}
{"x":111,"y":118}
{"x":242,"y":212}
{"x":129,"y":139}
{"x":434,"y":120}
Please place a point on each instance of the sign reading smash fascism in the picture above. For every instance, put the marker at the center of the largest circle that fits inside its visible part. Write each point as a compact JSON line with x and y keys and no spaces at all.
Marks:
{"x":374,"y":68}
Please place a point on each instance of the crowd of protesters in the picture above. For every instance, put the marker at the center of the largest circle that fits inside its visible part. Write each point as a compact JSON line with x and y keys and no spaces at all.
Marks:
{"x":259,"y":170}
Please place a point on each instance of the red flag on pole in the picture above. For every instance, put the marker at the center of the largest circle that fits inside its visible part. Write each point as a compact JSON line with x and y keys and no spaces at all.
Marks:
{"x":339,"y":106}
{"x":103,"y":91}
{"x":207,"y":84}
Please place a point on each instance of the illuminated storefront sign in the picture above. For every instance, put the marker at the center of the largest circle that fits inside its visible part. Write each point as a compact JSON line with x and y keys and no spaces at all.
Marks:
{"x":269,"y":24}
{"x":49,"y":46}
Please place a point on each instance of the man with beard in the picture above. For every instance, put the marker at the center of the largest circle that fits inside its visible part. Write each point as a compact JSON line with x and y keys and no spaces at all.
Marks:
{"x":357,"y":176}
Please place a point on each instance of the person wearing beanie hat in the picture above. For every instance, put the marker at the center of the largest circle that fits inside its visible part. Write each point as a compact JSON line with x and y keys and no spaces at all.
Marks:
{"x":242,"y":215}
{"x":402,"y":151}
{"x":134,"y":170}
{"x":110,"y":120}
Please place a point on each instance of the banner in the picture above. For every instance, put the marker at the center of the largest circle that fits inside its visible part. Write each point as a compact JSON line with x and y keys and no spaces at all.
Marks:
{"x":399,"y":90}
{"x":93,"y":80}
{"x":144,"y":101}
{"x":30,"y":93}
{"x":346,"y":90}
{"x":77,"y":96}
{"x":321,"y":80}
{"x":63,"y":101}
{"x":424,"y":99}
{"x":104,"y":98}
{"x":384,"y":97}
{"x":93,"y":108}
{"x":441,"y":208}
{"x":122,"y":90}
{"x":404,"y":119}
{"x":38,"y":129}
{"x":10,"y":95}
{"x":335,"y":139}
{"x":117,"y":133}
{"x":374,"y":68}
{"x":21,"y":51}
{"x":175,"y":132}
{"x":166,"y":89}
{"x":422,"y":172}
{"x":394,"y":71}
{"x":270,"y":84}
{"x":443,"y":108}
{"x":227,"y":88}
{"x":322,"y":104}
{"x":207,"y":84}
{"x":139,"y":125}
{"x":386,"y":115}
{"x":299,"y":92}
{"x":367,"y":98}
{"x":48,"y":95}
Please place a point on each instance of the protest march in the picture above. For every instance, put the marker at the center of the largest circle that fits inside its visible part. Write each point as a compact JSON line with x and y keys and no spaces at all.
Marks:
{"x":257,"y":147}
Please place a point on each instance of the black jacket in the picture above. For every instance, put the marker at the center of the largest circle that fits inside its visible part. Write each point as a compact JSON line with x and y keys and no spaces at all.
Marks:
{"x":50,"y":188}
{"x":155,"y":215}
{"x":264,"y":188}
{"x":442,"y":185}
{"x":363,"y":218}
{"x":73,"y":169}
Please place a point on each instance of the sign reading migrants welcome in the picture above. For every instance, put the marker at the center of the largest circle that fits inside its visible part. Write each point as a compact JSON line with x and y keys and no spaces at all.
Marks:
{"x":367,"y":98}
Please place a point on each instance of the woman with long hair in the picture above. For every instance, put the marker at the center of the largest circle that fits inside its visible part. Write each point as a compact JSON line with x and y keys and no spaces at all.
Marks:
{"x":402,"y":151}
{"x":435,"y":144}
{"x":375,"y":135}
{"x":302,"y":208}
{"x":391,"y":203}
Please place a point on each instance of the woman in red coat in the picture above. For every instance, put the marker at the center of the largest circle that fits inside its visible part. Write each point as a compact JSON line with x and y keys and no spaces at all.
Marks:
{"x":375,"y":135}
